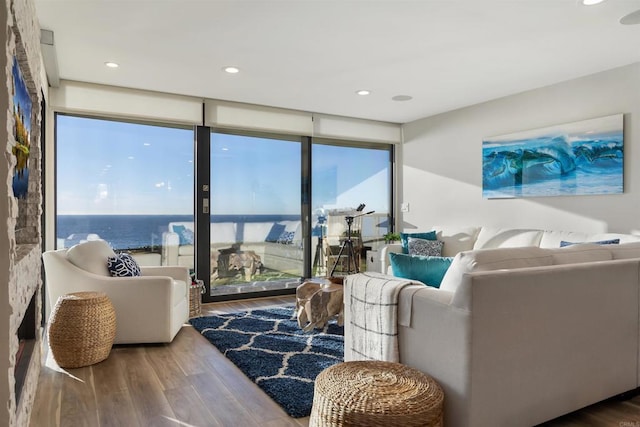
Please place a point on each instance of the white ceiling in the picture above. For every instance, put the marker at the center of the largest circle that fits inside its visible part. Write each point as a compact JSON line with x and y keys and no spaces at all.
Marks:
{"x":313,"y":55}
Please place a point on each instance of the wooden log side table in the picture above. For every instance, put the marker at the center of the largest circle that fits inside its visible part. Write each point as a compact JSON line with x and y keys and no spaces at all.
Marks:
{"x":82,"y":328}
{"x":376,"y":394}
{"x":317,"y":303}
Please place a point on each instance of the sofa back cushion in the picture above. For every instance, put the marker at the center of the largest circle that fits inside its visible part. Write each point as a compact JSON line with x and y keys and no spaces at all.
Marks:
{"x":489,"y":238}
{"x":583,"y":252}
{"x":91,"y":256}
{"x":625,"y":250}
{"x":456,"y":239}
{"x":493,"y":259}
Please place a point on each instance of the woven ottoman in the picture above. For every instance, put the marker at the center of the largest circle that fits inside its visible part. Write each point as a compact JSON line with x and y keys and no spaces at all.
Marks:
{"x":82,"y":329}
{"x":373,"y":393}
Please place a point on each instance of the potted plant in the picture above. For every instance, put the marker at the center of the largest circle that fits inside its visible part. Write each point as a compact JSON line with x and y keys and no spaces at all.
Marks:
{"x":391,"y":237}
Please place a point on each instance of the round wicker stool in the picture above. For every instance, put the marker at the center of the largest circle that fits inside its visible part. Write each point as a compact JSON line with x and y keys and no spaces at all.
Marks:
{"x":372,"y":393}
{"x":82,"y":329}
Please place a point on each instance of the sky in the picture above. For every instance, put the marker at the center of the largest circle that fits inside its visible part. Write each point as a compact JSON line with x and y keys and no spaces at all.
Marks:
{"x":110,"y":167}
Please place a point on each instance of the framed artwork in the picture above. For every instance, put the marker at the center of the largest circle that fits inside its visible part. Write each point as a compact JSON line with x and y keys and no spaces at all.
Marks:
{"x":579,"y":158}
{"x":22,"y":131}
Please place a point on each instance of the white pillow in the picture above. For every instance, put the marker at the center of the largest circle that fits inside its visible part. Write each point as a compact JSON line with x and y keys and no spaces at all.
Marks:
{"x":493,"y":259}
{"x":506,"y":238}
{"x":91,"y":256}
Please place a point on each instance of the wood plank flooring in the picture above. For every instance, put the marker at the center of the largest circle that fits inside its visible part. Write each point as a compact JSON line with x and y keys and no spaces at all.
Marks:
{"x":190,"y":383}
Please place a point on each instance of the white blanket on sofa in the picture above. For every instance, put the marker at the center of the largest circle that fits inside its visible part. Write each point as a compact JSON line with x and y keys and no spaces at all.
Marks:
{"x":373,"y":313}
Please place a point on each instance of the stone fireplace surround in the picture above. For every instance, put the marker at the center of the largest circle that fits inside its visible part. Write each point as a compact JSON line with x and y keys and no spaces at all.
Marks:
{"x":20,"y":234}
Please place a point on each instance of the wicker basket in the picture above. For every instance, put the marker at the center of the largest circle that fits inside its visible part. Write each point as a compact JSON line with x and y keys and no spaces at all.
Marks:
{"x":196,"y":289}
{"x":372,"y":393}
{"x":82,"y":329}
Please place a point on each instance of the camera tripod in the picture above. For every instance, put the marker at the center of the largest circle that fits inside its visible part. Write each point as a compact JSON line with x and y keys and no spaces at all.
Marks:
{"x":319,"y":264}
{"x":348,"y":246}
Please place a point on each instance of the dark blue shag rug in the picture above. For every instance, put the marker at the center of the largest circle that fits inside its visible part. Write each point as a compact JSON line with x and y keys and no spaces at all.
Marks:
{"x":270,"y":348}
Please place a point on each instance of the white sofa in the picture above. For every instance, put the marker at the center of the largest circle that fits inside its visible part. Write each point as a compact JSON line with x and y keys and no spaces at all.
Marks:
{"x":526,"y":332}
{"x":149,"y":309}
{"x":249,"y":236}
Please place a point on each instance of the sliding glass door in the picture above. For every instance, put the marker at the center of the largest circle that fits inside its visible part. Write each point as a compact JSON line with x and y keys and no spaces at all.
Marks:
{"x":260,"y":211}
{"x":351,"y":203}
{"x":256,"y":232}
{"x":130,"y":184}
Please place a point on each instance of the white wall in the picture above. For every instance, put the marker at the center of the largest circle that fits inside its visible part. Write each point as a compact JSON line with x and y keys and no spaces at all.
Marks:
{"x":441,"y":162}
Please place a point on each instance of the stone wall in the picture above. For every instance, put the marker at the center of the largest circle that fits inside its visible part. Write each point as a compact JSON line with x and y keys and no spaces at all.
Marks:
{"x":20,"y":232}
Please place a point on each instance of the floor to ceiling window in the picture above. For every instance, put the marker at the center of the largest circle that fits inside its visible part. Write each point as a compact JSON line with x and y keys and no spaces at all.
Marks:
{"x":130,"y":184}
{"x":256,"y":230}
{"x":133,"y":185}
{"x":351,"y":200}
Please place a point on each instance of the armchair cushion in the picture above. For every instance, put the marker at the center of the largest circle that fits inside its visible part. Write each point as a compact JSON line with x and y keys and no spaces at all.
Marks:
{"x":123,"y":265}
{"x":91,"y":256}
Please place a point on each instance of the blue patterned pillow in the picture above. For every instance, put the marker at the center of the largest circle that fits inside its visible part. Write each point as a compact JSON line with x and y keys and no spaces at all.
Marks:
{"x":601,"y":242}
{"x":404,"y":239}
{"x":286,"y":238}
{"x":425,"y":247}
{"x":123,"y":265}
{"x":427,"y":269}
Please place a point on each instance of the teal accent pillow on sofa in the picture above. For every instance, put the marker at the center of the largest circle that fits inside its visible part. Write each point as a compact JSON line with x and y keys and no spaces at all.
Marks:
{"x":427,"y":269}
{"x":404,"y":239}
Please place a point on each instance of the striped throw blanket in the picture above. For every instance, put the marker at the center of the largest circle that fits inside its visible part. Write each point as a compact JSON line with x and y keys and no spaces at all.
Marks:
{"x":371,"y":308}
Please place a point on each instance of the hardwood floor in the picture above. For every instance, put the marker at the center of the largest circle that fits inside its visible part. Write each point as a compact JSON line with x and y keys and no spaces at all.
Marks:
{"x":190,"y":383}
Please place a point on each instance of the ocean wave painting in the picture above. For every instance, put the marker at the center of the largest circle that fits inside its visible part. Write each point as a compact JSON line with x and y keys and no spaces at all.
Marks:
{"x":580,"y":158}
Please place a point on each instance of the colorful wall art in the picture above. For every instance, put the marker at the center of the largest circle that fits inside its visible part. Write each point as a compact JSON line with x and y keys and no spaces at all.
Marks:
{"x":579,"y":158}
{"x":22,"y":132}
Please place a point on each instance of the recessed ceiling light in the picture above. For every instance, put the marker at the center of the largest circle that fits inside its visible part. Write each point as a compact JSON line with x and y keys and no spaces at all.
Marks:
{"x":591,"y":2}
{"x":363,"y":92}
{"x":231,"y":70}
{"x":111,"y":64}
{"x":402,"y":98}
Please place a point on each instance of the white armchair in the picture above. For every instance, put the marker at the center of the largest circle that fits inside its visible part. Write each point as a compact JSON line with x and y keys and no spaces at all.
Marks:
{"x":149,"y":309}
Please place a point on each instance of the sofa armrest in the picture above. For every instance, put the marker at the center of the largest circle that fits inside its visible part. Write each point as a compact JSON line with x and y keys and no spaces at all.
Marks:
{"x":175,"y":272}
{"x":562,"y":323}
{"x":385,"y":262}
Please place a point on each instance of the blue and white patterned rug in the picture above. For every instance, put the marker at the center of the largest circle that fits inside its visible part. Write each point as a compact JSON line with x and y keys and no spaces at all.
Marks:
{"x":270,"y":348}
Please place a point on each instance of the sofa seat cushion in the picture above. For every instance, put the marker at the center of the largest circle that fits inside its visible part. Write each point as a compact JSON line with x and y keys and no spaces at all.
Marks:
{"x":186,"y":250}
{"x":578,"y":253}
{"x":91,"y":256}
{"x":493,"y":259}
{"x":490,"y":238}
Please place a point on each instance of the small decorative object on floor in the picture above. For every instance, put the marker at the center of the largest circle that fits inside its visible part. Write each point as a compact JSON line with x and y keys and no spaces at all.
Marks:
{"x":82,"y":329}
{"x":374,"y":393}
{"x":317,"y":303}
{"x":196,"y":289}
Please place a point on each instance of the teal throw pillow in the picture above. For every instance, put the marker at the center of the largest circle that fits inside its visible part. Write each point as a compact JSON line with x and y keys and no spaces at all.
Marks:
{"x":427,"y":269}
{"x":404,"y":239}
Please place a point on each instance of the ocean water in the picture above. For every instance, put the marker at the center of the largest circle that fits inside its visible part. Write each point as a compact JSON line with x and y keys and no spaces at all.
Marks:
{"x":136,"y":231}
